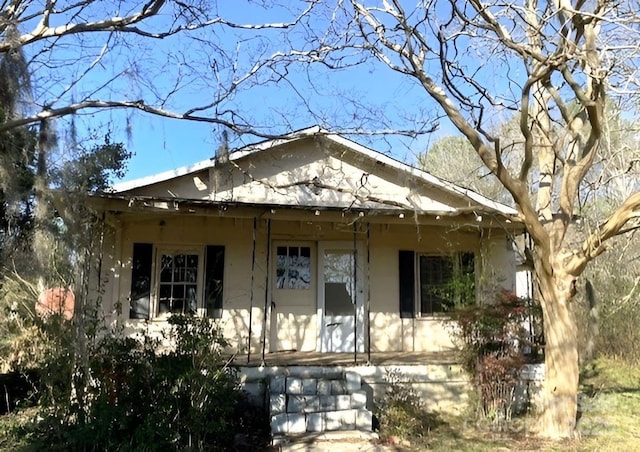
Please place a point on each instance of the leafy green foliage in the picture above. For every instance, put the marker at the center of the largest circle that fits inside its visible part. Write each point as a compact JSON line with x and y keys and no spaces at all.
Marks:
{"x":92,"y":169}
{"x":17,"y":177}
{"x":137,"y":398}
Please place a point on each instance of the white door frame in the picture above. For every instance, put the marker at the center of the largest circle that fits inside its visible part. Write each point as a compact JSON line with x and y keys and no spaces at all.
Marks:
{"x":361,"y":288}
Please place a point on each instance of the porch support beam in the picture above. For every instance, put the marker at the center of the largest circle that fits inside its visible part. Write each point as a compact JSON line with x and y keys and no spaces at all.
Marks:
{"x":368,"y":299}
{"x":253,"y":268}
{"x":266,"y":293}
{"x":355,"y":292}
{"x":468,"y":216}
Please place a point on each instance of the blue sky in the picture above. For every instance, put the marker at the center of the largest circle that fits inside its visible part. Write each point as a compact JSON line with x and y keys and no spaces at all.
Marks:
{"x":141,"y":68}
{"x":147,"y":69}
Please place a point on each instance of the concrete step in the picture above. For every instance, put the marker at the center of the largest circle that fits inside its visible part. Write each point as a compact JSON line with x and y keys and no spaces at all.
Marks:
{"x":345,"y":440}
{"x":345,"y":383}
{"x":282,"y":403}
{"x":336,"y":420}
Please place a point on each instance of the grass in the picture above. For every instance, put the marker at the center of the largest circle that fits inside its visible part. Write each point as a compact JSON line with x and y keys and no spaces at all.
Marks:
{"x":611,"y":406}
{"x":610,"y":420}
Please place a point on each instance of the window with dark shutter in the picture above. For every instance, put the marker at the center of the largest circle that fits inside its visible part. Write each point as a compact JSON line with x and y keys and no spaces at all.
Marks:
{"x":139,"y":305}
{"x":214,"y":276}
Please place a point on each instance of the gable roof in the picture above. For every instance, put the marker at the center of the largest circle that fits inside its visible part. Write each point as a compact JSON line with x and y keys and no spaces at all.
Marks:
{"x":470,"y":196}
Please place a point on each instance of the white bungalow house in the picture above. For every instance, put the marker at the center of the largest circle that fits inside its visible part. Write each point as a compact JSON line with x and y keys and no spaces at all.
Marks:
{"x":307,"y":243}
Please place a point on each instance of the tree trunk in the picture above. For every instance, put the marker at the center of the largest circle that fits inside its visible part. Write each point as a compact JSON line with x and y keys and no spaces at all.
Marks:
{"x":560,"y":391}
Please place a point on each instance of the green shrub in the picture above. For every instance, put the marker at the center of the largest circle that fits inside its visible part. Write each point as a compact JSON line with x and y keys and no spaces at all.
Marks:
{"x":139,"y":399}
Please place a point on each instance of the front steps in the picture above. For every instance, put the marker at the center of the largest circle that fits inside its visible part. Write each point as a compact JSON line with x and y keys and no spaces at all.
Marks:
{"x":322,"y":401}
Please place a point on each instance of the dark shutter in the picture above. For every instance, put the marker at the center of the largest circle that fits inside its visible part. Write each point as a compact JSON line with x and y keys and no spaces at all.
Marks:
{"x":213,"y":278}
{"x":141,"y":280}
{"x":407,"y":274}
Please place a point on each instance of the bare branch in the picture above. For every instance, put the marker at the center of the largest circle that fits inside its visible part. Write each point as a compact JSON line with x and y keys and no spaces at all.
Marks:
{"x":594,"y":245}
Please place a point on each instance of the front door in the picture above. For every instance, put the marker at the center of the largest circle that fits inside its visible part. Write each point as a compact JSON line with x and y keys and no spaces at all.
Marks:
{"x":340,"y":297}
{"x":293,"y":297}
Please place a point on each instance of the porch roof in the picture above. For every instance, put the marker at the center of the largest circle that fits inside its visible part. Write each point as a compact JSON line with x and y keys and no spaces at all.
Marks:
{"x":132,"y":204}
{"x":474,"y":201}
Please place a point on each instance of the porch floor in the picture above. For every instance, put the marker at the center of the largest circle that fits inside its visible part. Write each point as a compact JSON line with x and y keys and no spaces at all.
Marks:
{"x":295,"y":358}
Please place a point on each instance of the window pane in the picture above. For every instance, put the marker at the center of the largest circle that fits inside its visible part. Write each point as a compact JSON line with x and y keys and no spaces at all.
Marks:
{"x":191,"y":299}
{"x":164,"y":302}
{"x":178,"y":291}
{"x":281,"y":267}
{"x":177,"y":306}
{"x":166,"y":268}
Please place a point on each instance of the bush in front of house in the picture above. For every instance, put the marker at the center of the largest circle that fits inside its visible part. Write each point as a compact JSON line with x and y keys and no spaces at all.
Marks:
{"x":402,"y":415}
{"x":137,"y":398}
{"x":494,"y":339}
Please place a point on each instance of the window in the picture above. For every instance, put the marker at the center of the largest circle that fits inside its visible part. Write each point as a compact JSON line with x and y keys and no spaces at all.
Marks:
{"x":178,"y":283}
{"x":184,"y":282}
{"x":293,"y":267}
{"x":432,"y":284}
{"x":444,"y":282}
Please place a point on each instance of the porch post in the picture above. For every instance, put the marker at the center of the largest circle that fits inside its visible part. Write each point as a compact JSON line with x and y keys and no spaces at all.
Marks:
{"x":266,"y":293}
{"x":368,"y":302}
{"x":253,"y":267}
{"x":355,"y":292}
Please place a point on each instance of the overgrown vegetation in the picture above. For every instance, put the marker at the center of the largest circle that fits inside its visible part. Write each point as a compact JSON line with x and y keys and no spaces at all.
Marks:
{"x":402,"y":414}
{"x":137,"y":398}
{"x":608,"y":307}
{"x":495,"y":340}
{"x":609,"y":419}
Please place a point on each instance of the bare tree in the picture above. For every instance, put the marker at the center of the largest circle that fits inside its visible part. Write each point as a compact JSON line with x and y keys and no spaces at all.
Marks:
{"x":454,"y":159}
{"x":91,"y":55}
{"x":553,"y":65}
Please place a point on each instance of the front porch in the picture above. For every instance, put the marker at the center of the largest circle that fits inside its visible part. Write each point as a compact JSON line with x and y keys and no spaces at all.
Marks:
{"x":295,"y":358}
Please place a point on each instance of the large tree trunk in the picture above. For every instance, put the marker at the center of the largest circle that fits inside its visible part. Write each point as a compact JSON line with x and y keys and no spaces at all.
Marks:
{"x":560,"y":391}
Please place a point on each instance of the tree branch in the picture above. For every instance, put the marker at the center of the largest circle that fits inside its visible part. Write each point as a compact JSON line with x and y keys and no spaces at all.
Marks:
{"x":594,"y":245}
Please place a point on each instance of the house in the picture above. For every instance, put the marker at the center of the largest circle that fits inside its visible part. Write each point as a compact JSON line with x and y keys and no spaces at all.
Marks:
{"x":306,"y":243}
